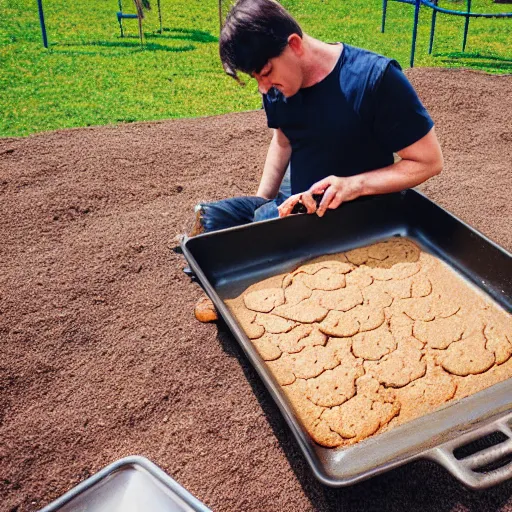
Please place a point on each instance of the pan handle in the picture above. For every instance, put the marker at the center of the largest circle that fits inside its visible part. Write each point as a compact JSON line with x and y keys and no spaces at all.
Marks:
{"x":471,"y":470}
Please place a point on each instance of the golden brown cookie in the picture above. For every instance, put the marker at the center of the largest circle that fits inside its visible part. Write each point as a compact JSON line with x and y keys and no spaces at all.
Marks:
{"x":369,"y":318}
{"x":312,"y":361}
{"x":399,"y":368}
{"x":374,"y":344}
{"x":300,"y":337}
{"x":359,"y":277}
{"x":421,"y":286}
{"x":307,"y":312}
{"x":334,"y":387}
{"x":376,"y":297}
{"x":281,"y":369}
{"x":361,"y":416}
{"x":468,"y":356}
{"x":324,"y":279}
{"x":339,"y":300}
{"x":309,"y":415}
{"x":296,"y":292}
{"x":316,"y":337}
{"x":339,"y":324}
{"x":274,"y":324}
{"x":267,"y":347}
{"x":426,"y":394}
{"x":397,"y":272}
{"x":246,"y":319}
{"x":498,"y":342}
{"x":440,"y":332}
{"x":264,"y":301}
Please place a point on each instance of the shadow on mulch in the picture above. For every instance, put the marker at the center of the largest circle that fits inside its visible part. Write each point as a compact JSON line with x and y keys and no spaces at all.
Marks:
{"x":476,"y":60}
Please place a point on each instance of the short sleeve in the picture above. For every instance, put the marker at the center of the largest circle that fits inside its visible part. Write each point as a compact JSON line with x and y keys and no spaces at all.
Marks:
{"x":399,"y":118}
{"x":269,"y":104}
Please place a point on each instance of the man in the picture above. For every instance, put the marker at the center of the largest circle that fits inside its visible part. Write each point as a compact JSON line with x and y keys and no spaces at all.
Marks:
{"x":339,"y":116}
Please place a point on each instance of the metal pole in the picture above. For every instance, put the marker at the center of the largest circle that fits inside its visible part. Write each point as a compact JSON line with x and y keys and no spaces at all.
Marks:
{"x":466,"y":26}
{"x":42,"y":23}
{"x":415,"y":29}
{"x":160,"y":15}
{"x":384,"y":9}
{"x":220,"y":16}
{"x":432,"y":29}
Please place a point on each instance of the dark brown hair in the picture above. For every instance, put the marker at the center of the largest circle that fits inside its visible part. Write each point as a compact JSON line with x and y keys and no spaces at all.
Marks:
{"x":255,"y":31}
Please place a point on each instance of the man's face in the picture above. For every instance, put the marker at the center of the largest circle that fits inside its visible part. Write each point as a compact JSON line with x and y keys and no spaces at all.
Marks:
{"x":283,"y":72}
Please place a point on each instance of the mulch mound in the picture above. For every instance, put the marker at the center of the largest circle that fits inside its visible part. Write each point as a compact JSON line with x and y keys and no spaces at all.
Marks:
{"x":100,"y":354}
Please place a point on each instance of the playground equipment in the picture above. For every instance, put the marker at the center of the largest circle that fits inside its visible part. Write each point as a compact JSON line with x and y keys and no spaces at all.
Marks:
{"x":468,"y":14}
{"x":140,"y":6}
{"x":42,"y":23}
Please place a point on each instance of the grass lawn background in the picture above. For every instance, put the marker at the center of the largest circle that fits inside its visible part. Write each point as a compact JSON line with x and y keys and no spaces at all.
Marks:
{"x":91,"y":76}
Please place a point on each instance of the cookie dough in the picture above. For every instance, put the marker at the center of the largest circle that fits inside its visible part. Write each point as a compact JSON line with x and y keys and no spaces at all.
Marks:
{"x":366,"y":340}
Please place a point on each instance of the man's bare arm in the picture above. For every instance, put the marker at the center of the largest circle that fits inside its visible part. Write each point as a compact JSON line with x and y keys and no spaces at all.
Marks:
{"x":278,"y":157}
{"x":419,"y":162}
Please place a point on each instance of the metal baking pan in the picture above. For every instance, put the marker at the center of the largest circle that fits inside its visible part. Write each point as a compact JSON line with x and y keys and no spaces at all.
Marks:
{"x":226,"y":262}
{"x":134,"y":484}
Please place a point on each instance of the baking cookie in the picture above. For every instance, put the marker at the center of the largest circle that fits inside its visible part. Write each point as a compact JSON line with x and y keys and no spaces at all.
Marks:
{"x":334,"y":387}
{"x":377,"y":298}
{"x":264,"y":301}
{"x":406,"y":336}
{"x":315,"y":266}
{"x":369,"y":318}
{"x":399,"y":289}
{"x":399,"y":368}
{"x":359,"y":277}
{"x":340,"y":300}
{"x":440,"y":332}
{"x":273,"y":323}
{"x":398,"y":250}
{"x":364,"y":414}
{"x":467,"y":356}
{"x":267,"y":347}
{"x":309,"y":415}
{"x":296,"y":292}
{"x":312,"y":361}
{"x":421,"y":286}
{"x":246,"y":320}
{"x":417,"y":308}
{"x":444,"y":306}
{"x":474,"y":383}
{"x":306,"y":312}
{"x":360,"y":318}
{"x":498,"y":342}
{"x":316,"y":337}
{"x":324,"y":279}
{"x":339,"y":324}
{"x":396,"y":272}
{"x":358,"y":256}
{"x":426,"y":394}
{"x":281,"y":369}
{"x":373,"y":345}
{"x":295,"y":340}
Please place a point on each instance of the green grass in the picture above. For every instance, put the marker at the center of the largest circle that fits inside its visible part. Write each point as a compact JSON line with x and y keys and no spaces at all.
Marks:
{"x":91,"y":76}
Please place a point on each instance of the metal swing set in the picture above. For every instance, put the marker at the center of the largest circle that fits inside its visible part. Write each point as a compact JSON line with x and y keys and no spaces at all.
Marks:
{"x":140,"y":6}
{"x":468,"y":14}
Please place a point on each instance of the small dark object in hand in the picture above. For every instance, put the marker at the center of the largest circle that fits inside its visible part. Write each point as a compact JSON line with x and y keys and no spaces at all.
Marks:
{"x":300,"y":208}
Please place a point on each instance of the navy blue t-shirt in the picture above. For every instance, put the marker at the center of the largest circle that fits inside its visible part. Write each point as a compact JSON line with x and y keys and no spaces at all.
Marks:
{"x":350,"y":122}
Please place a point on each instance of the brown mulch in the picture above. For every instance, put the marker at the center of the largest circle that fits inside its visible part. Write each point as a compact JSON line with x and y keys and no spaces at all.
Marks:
{"x":100,"y":354}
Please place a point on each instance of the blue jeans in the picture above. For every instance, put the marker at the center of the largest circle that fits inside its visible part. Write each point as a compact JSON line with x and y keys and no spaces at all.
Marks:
{"x":237,"y":211}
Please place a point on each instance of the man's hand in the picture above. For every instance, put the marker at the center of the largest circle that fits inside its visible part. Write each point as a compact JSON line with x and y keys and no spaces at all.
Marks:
{"x":304,"y":198}
{"x":335,"y":191}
